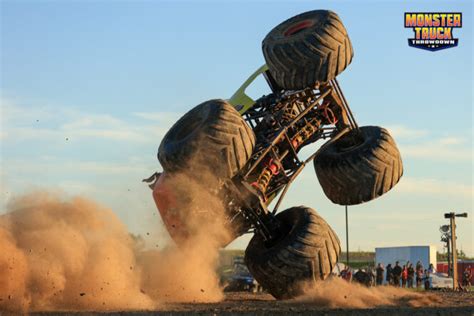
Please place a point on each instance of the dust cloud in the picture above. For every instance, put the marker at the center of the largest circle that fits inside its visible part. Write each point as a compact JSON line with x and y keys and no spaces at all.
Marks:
{"x":73,"y":254}
{"x":338,"y":293}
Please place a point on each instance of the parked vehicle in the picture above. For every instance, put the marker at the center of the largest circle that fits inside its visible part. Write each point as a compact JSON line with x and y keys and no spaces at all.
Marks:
{"x":441,"y":281}
{"x":240,"y":278}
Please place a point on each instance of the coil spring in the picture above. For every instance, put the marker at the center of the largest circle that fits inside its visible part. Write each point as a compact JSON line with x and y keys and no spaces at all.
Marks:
{"x":264,"y":179}
{"x":306,"y":132}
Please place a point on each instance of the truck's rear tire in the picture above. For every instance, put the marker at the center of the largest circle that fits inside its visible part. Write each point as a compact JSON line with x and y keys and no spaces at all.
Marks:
{"x":355,"y":173}
{"x":308,"y":48}
{"x":307,"y":252}
{"x":212,"y":135}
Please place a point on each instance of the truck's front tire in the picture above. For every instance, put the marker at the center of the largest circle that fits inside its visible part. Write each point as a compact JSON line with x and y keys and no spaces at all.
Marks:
{"x":213,"y":136}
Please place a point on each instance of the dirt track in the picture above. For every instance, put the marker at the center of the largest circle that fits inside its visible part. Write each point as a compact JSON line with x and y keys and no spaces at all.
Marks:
{"x":264,"y":304}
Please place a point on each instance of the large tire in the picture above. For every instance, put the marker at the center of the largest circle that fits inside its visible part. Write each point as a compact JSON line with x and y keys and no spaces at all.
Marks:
{"x":212,"y":135}
{"x":309,"y":48}
{"x":355,"y":174}
{"x":308,"y":252}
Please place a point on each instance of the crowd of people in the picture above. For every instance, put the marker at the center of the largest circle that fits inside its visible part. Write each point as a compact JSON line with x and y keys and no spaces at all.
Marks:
{"x":406,"y":276}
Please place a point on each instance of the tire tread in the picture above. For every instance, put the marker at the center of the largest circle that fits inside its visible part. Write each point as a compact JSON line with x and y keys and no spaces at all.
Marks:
{"x":309,"y":254}
{"x":319,"y":55}
{"x":363,"y":174}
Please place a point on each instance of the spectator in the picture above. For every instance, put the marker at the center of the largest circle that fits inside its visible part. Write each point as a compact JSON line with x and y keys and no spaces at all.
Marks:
{"x":404,"y":276}
{"x":431,"y":270}
{"x":419,"y":273}
{"x":466,"y":277}
{"x":371,"y":278}
{"x":410,"y":275}
{"x":397,"y":274}
{"x":379,"y":274}
{"x":427,"y":279}
{"x":389,"y":276}
{"x":419,"y":265}
{"x":419,"y":277}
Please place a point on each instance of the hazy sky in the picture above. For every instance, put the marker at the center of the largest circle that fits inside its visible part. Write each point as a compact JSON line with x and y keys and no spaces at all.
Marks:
{"x":88,"y":89}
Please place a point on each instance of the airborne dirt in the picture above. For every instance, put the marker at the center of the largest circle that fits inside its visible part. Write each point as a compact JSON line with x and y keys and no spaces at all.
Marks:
{"x":73,"y":254}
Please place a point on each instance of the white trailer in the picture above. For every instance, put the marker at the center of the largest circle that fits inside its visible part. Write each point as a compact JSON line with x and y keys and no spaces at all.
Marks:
{"x":425,"y":254}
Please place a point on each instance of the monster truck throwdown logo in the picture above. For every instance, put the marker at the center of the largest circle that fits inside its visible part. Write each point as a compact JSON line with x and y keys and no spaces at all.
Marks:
{"x":433,"y":31}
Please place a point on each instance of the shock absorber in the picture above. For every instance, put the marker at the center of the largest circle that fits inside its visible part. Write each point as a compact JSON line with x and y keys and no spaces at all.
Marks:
{"x":311,"y":127}
{"x":271,"y":168}
{"x":264,"y":179}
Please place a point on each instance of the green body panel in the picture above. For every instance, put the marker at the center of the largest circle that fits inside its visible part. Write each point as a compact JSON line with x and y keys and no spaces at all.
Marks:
{"x":239,"y":99}
{"x":243,"y":102}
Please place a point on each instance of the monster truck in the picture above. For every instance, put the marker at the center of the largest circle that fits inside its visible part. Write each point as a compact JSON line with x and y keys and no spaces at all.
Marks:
{"x":252,"y":149}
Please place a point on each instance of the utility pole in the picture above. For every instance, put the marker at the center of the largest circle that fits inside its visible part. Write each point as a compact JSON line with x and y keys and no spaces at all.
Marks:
{"x":347,"y":239}
{"x":450,"y":266}
{"x":452,"y":223}
{"x":454,"y":251}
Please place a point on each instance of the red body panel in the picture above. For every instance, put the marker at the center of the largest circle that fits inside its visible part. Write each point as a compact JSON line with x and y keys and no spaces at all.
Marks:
{"x":167,"y":202}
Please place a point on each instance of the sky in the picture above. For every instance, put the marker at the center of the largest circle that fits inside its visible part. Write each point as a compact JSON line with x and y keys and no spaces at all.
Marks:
{"x":89,"y":88}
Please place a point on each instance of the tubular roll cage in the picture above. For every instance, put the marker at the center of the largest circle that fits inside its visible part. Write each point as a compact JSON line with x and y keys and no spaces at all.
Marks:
{"x":275,"y":160}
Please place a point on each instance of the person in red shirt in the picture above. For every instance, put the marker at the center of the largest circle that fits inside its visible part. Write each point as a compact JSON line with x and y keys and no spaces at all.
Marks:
{"x":404,"y":276}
